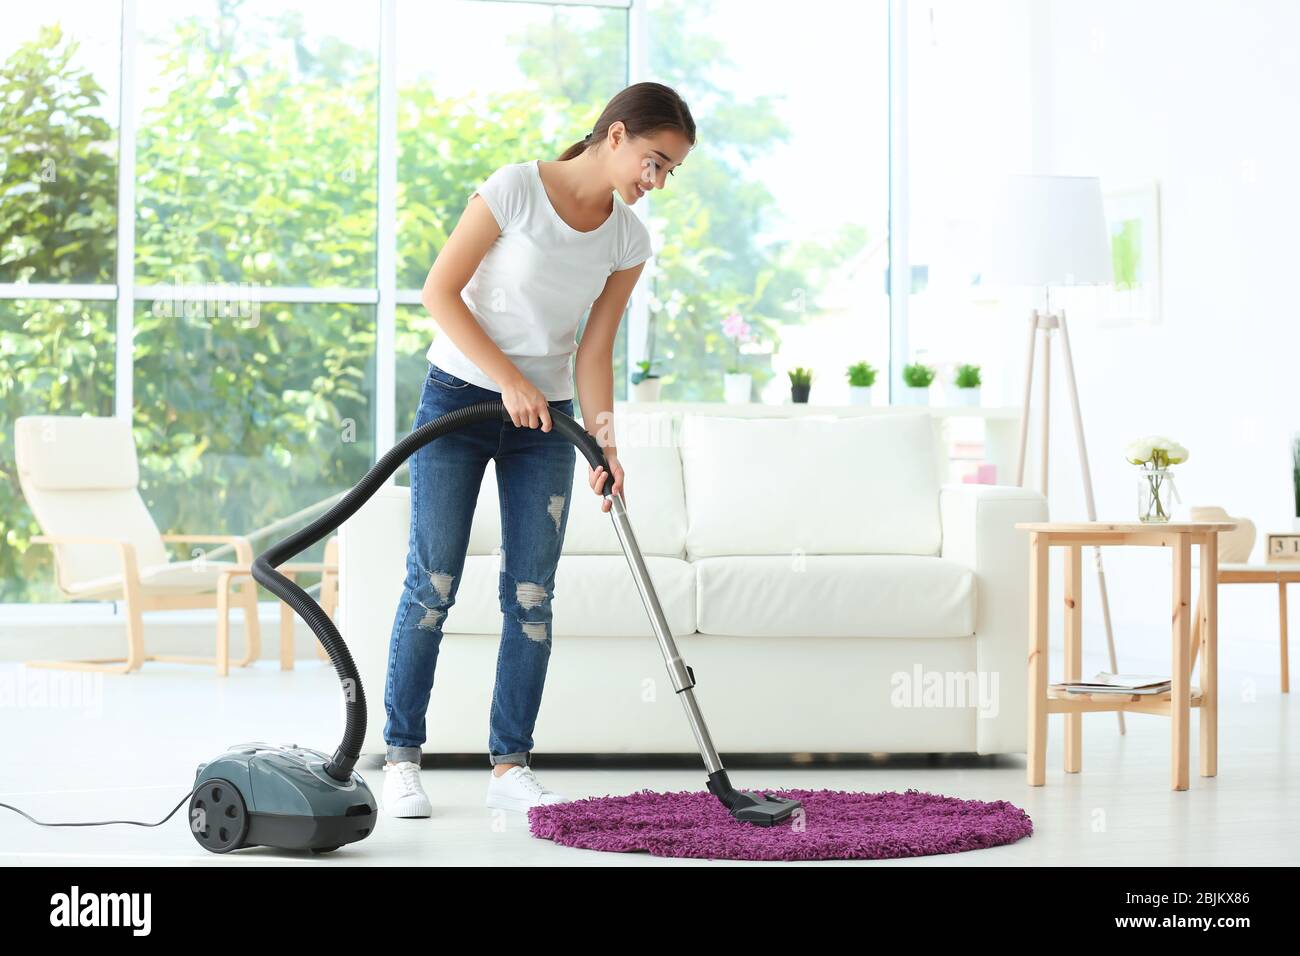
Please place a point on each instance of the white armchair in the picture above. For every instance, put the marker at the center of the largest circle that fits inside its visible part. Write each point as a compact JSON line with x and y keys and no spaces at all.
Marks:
{"x":80,"y":478}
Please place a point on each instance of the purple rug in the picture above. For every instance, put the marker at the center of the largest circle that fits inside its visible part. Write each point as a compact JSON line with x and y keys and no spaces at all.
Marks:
{"x":832,"y":825}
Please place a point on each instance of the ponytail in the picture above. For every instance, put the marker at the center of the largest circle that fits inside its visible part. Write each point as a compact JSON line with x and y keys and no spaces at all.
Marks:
{"x":643,"y":109}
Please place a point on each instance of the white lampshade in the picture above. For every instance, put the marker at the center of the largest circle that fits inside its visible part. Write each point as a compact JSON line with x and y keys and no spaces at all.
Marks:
{"x":1050,"y":231}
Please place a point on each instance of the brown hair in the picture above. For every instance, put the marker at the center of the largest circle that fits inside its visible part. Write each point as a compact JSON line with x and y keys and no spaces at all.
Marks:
{"x":644,"y":108}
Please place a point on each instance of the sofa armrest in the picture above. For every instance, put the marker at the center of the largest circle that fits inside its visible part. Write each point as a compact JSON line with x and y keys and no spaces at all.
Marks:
{"x":979,"y":531}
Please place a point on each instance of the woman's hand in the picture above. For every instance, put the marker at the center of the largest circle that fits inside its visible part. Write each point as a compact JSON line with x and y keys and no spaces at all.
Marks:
{"x":527,"y":406}
{"x":597,"y":479}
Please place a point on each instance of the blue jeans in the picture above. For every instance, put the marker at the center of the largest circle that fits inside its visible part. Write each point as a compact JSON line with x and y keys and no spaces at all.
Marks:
{"x":534,"y":472}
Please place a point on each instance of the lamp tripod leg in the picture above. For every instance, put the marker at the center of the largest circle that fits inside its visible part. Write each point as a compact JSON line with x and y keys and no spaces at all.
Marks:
{"x":1024,"y":404}
{"x":1088,"y":496}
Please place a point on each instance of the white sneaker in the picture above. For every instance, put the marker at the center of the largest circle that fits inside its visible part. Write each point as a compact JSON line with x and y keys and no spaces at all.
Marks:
{"x":403,"y":795}
{"x":518,"y":789}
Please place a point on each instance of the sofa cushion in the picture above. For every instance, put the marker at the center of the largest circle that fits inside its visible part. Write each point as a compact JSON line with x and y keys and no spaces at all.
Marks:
{"x":812,"y":485}
{"x":822,"y":595}
{"x":656,"y":505}
{"x":595,"y":595}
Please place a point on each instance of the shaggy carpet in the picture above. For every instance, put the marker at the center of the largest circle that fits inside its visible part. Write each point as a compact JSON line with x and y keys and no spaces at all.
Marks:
{"x":831,"y":825}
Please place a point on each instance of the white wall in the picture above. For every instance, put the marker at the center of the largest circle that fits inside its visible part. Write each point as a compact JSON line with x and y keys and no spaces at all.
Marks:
{"x":1201,"y":96}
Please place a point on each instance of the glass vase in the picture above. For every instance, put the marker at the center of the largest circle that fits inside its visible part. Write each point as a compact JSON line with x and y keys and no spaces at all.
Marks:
{"x":1155,"y":488}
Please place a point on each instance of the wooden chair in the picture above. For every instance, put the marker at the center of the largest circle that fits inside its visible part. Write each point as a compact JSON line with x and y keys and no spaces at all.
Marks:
{"x":1275,"y":573}
{"x":1235,"y":568}
{"x":80,"y":478}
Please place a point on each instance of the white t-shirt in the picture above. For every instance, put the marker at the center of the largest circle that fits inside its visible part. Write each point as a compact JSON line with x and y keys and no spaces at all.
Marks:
{"x":537,"y":279}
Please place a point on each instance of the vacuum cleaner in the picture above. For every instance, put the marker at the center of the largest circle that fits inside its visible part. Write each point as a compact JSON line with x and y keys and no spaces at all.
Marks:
{"x":294,"y":798}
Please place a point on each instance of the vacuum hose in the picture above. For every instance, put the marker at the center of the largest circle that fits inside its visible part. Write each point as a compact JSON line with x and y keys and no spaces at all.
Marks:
{"x":354,"y":731}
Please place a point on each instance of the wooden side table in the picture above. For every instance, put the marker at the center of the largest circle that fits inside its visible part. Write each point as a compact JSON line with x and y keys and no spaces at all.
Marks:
{"x":1178,"y":701}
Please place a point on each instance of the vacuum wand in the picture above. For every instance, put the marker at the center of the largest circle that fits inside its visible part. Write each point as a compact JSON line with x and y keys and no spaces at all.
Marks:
{"x":748,"y":806}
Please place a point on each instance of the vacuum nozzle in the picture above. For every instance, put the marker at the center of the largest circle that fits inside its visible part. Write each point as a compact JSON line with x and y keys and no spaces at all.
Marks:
{"x":750,"y":806}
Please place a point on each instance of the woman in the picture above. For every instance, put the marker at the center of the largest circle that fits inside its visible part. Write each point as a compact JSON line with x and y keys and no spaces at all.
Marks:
{"x":537,"y":245}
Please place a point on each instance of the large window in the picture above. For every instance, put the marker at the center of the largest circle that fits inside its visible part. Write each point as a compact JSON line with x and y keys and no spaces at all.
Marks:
{"x":229,"y":249}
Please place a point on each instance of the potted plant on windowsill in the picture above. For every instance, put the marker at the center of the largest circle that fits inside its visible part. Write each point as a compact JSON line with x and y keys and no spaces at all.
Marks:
{"x":800,"y":384}
{"x":861,"y":377}
{"x":966,"y":386}
{"x":916,"y":384}
{"x":1295,"y":477}
{"x":736,"y":384}
{"x":646,"y":382}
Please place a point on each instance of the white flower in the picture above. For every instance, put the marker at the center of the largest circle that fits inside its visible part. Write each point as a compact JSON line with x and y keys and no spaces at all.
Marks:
{"x":1139,"y":451}
{"x":1152,"y":448}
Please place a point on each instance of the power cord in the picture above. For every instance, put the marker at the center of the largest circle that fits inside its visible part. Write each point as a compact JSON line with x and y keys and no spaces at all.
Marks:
{"x":100,"y":823}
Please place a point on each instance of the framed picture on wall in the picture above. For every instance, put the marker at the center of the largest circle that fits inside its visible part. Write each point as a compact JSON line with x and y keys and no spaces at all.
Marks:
{"x":1133,"y":222}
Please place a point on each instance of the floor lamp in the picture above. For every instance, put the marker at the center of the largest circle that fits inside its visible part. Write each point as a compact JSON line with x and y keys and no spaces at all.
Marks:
{"x":1051,"y":231}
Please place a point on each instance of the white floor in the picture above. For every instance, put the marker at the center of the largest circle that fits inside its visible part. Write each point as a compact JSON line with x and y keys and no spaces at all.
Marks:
{"x":128,"y":748}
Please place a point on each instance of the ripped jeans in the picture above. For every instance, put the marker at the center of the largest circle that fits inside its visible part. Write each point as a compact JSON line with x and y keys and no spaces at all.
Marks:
{"x":534,"y":472}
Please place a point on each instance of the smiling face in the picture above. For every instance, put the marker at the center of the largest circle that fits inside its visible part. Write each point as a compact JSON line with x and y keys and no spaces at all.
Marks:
{"x":638,"y":164}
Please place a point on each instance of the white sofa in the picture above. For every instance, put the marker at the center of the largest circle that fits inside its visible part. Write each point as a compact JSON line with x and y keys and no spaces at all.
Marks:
{"x":830,"y":594}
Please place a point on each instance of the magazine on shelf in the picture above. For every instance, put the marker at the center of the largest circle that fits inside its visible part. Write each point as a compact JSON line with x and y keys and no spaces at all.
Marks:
{"x":1105,"y":683}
